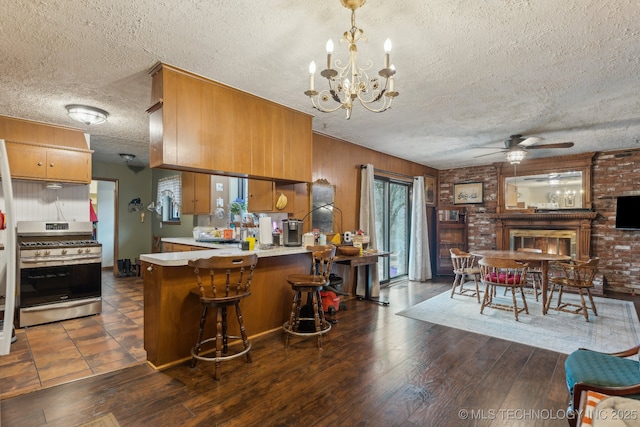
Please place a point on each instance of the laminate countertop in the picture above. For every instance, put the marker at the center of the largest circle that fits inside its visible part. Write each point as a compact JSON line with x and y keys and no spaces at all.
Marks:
{"x":171,"y":259}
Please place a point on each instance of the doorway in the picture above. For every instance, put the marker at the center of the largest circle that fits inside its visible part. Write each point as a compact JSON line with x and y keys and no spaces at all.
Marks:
{"x":392,"y":204}
{"x":104,"y":198}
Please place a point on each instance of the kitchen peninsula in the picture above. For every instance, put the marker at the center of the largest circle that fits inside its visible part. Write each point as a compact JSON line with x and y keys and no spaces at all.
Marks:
{"x":172,"y":314}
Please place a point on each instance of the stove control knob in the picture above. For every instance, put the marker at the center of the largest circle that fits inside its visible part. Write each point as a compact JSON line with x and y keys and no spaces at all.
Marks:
{"x":79,"y":250}
{"x":37,"y":253}
{"x":87,"y":250}
{"x":46,"y":253}
{"x":64,"y":252}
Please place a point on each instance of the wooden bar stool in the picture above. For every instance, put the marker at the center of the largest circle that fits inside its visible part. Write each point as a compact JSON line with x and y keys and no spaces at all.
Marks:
{"x":230,"y":282}
{"x":311,"y":284}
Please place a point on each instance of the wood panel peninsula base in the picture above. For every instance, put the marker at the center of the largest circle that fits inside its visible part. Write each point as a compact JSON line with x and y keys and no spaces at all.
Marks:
{"x":172,"y":315}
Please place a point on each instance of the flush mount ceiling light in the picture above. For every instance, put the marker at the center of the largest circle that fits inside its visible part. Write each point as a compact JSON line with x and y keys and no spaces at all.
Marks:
{"x":87,"y":115}
{"x":515,"y":156}
{"x":351,"y":82}
{"x":127,"y":157}
{"x":53,"y":186}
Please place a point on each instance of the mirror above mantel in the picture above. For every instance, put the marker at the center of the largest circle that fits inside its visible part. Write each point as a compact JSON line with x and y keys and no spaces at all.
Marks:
{"x":548,"y":191}
{"x":549,"y":184}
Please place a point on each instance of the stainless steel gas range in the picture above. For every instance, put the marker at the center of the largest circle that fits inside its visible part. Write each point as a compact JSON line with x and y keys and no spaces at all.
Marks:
{"x":59,"y":271}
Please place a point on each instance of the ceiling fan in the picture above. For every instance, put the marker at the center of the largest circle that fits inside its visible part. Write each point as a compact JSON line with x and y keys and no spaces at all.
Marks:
{"x":517,"y":145}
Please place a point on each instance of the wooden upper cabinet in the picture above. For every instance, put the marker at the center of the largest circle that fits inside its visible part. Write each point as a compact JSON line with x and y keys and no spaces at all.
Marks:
{"x":261,"y":196}
{"x":38,"y":151}
{"x":19,"y":130}
{"x":200,"y":125}
{"x":38,"y":162}
{"x":196,"y":193}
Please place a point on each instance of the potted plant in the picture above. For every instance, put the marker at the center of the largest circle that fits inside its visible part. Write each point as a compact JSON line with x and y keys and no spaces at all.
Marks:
{"x":236,"y":208}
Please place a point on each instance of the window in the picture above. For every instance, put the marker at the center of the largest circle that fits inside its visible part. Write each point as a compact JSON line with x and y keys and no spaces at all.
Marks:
{"x":170,"y":187}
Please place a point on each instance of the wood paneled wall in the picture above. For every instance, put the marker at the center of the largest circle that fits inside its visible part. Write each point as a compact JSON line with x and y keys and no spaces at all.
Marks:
{"x":339,"y":162}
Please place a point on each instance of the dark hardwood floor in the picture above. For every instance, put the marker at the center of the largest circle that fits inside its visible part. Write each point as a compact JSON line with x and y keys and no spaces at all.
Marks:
{"x":375,"y":369}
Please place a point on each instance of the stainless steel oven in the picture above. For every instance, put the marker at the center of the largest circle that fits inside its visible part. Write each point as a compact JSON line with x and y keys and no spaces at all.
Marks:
{"x":59,"y":271}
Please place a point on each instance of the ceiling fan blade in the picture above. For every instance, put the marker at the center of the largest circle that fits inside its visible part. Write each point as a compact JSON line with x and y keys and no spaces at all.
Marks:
{"x":530,"y":141}
{"x":556,"y":145}
{"x":489,"y":154}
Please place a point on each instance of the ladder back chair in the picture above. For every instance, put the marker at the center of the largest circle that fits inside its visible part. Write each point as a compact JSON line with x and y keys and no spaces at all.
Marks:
{"x":229,"y":283}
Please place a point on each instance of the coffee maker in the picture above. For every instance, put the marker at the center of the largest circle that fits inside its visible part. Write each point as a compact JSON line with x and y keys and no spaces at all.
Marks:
{"x":292,"y":232}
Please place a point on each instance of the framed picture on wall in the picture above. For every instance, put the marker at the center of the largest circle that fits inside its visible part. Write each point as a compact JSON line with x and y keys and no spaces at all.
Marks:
{"x":429,"y":190}
{"x":467,"y":193}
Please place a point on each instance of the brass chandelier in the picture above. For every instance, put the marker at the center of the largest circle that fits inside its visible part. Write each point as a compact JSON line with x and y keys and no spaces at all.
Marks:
{"x":351,"y":82}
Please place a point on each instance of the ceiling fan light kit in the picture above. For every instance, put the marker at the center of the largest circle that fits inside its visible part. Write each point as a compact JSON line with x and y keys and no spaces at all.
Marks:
{"x":351,"y":82}
{"x":515,"y":156}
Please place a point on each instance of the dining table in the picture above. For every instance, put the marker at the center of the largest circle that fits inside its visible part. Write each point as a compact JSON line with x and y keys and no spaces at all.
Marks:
{"x":543,"y":258}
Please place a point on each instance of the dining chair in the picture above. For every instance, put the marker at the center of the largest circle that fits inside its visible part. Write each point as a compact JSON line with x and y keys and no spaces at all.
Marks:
{"x":534,"y":272}
{"x":578,"y":275}
{"x":464,"y":265}
{"x":504,"y":273}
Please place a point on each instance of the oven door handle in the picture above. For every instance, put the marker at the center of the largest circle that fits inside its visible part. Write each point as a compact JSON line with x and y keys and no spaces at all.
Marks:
{"x":97,"y":257}
{"x":68,"y":304}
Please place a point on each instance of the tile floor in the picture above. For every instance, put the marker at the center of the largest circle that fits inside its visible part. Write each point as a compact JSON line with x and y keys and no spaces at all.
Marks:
{"x":55,"y":353}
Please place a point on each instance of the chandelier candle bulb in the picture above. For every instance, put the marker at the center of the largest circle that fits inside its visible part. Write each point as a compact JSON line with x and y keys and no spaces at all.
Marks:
{"x":312,"y":71}
{"x":387,"y":52}
{"x":329,"y":52}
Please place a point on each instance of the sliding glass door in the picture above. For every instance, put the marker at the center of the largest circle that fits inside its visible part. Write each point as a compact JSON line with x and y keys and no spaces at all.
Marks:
{"x":392,"y":203}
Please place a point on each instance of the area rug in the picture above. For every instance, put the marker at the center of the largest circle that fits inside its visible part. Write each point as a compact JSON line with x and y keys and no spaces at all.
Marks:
{"x":615,"y":328}
{"x":104,"y":421}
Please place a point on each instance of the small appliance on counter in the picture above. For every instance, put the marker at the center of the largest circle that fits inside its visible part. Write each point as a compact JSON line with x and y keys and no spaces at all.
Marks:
{"x":292,"y":232}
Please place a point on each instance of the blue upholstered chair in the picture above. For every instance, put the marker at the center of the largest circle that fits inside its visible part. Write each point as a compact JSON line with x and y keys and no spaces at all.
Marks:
{"x":608,"y":373}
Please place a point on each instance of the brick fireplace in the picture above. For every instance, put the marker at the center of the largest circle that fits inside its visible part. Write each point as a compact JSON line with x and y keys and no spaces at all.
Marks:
{"x":567,"y":233}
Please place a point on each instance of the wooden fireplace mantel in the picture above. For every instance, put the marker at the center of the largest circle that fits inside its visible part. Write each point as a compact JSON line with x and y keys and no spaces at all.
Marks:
{"x":547,"y":216}
{"x":580,"y":222}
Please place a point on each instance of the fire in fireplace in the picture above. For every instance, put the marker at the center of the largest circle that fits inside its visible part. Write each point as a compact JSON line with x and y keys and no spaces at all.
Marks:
{"x":562,"y":242}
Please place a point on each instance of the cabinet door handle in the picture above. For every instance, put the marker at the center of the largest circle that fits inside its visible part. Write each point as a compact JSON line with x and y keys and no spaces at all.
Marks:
{"x":39,"y":163}
{"x":51,"y":164}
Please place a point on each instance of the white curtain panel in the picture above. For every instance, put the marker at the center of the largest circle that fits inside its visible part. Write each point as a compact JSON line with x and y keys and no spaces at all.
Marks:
{"x":419,"y":255}
{"x":368,"y":225}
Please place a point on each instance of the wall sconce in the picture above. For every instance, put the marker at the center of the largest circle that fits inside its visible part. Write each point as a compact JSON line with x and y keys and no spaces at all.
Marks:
{"x":87,"y":115}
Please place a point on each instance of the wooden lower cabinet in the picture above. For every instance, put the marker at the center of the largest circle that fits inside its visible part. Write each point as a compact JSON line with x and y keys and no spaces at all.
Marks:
{"x":172,"y":314}
{"x":179,"y":247}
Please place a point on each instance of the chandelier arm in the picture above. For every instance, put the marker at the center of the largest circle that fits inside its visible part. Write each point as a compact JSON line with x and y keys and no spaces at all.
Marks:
{"x":385,"y":106}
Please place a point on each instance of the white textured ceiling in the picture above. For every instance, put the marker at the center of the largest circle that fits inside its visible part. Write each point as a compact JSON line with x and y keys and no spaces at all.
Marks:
{"x":470,"y":73}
